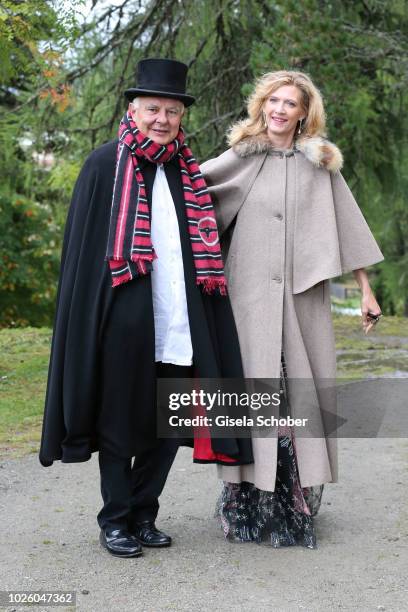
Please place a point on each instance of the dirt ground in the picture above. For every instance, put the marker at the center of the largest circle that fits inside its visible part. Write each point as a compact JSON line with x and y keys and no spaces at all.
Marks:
{"x":49,"y":540}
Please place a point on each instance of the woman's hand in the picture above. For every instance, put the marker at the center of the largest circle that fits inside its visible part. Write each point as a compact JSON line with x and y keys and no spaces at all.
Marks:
{"x":369,"y":306}
{"x":370,"y":310}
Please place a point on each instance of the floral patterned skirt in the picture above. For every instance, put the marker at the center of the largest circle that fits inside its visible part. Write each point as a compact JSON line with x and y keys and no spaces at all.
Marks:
{"x":283,"y":517}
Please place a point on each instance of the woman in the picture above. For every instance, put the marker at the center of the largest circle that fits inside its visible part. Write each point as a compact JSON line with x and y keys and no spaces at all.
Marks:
{"x":289,"y":224}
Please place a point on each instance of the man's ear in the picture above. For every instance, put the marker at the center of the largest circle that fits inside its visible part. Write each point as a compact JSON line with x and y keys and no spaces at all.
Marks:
{"x":130,"y":108}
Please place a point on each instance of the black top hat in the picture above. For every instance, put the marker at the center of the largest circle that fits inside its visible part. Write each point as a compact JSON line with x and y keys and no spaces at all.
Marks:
{"x":161,"y":77}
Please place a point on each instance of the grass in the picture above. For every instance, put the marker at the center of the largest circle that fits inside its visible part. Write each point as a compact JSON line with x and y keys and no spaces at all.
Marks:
{"x":383,"y":352}
{"x":24,"y":355}
{"x":351,"y":326}
{"x":353,"y":302}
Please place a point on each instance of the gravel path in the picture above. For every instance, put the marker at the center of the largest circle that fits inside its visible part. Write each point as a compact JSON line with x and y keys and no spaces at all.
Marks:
{"x":49,"y":540}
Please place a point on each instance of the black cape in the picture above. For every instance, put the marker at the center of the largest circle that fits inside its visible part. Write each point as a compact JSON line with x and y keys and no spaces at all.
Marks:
{"x":101,"y":389}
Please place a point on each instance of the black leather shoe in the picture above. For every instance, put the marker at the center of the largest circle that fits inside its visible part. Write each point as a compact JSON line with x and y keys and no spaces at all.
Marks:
{"x":147,"y":535}
{"x":120,"y":543}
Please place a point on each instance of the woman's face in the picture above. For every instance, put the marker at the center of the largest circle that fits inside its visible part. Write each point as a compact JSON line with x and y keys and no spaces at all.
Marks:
{"x":283,"y":110}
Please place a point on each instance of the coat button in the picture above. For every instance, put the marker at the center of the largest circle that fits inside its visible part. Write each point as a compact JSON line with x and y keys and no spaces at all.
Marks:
{"x":279,"y":217}
{"x":278,"y":279}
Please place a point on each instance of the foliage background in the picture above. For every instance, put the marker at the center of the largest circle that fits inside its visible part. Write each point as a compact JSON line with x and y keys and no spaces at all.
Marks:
{"x":61,"y":94}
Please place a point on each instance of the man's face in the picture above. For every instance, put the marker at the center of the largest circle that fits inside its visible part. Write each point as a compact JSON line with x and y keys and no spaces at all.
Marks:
{"x":158,"y":118}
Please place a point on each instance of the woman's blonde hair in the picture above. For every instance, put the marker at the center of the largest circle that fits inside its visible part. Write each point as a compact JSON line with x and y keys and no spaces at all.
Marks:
{"x":311,"y":101}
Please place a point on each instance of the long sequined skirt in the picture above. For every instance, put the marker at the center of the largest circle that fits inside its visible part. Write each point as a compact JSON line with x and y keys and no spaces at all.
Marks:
{"x":283,"y":517}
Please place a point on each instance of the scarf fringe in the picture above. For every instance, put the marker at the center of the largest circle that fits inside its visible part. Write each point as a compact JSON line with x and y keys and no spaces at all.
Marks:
{"x":120,"y":280}
{"x":144,"y":263}
{"x":213,"y":285}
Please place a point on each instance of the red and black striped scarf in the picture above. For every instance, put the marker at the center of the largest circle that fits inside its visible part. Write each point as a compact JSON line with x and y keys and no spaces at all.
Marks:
{"x":130,"y":251}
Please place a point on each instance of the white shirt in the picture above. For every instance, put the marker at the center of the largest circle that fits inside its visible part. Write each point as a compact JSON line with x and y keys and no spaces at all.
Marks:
{"x":172,"y":328}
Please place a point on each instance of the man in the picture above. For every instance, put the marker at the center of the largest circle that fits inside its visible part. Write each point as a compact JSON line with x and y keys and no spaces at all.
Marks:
{"x":141,"y":296}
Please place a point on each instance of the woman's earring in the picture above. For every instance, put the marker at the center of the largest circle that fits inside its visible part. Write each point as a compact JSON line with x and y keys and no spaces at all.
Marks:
{"x":264,"y":119}
{"x":300,"y":126}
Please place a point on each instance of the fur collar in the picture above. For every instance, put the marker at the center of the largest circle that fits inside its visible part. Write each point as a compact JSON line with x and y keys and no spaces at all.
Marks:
{"x":318,"y":150}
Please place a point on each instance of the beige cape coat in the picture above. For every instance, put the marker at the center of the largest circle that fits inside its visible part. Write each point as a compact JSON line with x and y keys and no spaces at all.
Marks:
{"x":290,"y":223}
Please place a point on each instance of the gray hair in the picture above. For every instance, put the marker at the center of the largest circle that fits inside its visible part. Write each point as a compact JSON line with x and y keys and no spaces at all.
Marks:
{"x":136,"y":103}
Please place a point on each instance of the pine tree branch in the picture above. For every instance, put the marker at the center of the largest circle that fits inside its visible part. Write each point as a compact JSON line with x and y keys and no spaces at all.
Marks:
{"x":105,"y":49}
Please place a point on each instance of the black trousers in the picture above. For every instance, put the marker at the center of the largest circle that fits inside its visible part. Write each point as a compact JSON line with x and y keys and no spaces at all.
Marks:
{"x":131,"y":490}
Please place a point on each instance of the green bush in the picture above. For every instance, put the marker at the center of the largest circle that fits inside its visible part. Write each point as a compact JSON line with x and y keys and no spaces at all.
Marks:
{"x":29,"y":261}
